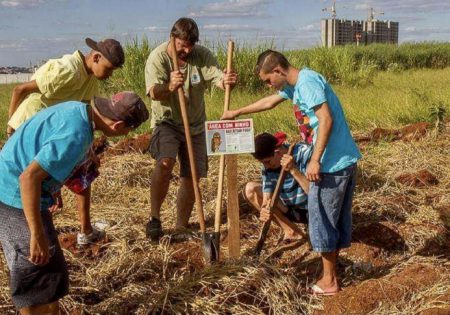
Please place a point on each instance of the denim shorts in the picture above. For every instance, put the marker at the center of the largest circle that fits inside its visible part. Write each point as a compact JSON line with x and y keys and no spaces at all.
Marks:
{"x":330,"y":210}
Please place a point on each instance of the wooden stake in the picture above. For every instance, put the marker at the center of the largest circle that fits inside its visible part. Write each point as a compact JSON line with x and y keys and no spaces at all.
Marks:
{"x":234,"y":246}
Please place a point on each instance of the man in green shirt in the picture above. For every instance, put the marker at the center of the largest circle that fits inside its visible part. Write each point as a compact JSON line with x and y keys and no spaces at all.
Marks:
{"x":198,"y":70}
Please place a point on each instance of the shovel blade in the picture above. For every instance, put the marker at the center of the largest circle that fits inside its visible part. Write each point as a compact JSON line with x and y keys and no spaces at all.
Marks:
{"x":211,"y":247}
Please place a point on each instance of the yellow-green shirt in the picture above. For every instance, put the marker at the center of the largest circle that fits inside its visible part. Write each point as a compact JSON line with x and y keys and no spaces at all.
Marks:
{"x":200,"y":71}
{"x":58,"y":80}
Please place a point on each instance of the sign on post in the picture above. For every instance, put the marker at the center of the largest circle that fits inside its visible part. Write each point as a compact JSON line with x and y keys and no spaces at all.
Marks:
{"x":229,"y":137}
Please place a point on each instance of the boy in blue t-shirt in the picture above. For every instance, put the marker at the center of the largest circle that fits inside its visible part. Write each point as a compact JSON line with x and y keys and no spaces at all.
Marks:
{"x":271,"y":151}
{"x":332,"y":168}
{"x":34,"y":163}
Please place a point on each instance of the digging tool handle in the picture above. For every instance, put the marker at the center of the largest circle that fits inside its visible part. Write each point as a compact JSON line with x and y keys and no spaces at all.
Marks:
{"x":273,"y":200}
{"x":182,"y":101}
{"x":226,"y":105}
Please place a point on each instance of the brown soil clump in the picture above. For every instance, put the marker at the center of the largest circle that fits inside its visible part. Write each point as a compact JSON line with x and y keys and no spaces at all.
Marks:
{"x":421,"y":178}
{"x":100,"y":144}
{"x":382,"y":235}
{"x":408,"y":133}
{"x":436,"y":311}
{"x":68,"y":241}
{"x":140,"y":144}
{"x":190,"y":252}
{"x":365,"y":253}
{"x":444,"y":213}
{"x":367,"y":296}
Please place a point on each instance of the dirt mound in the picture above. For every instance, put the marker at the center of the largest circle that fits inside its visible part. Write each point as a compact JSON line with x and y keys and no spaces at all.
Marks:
{"x":188,"y":254}
{"x":383,"y":235}
{"x":410,"y":132}
{"x":421,"y":178}
{"x":140,"y":144}
{"x":369,"y":295}
{"x":68,"y":241}
{"x":444,"y":213}
{"x":363,"y":253}
{"x":436,"y":311}
{"x":100,"y":144}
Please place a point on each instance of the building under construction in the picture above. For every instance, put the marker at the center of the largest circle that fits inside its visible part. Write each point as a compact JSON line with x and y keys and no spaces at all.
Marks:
{"x":342,"y":32}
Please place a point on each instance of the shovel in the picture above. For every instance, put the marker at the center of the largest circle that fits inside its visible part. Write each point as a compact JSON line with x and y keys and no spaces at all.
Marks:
{"x":273,"y":200}
{"x":215,"y":239}
{"x":198,"y":200}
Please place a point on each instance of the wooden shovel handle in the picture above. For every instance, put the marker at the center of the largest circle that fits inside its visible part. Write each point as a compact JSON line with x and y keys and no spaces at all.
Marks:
{"x":276,"y":194}
{"x":184,"y":115}
{"x":226,"y":105}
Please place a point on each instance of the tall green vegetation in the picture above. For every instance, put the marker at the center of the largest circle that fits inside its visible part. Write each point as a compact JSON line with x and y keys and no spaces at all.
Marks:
{"x":379,"y":85}
{"x":345,"y":65}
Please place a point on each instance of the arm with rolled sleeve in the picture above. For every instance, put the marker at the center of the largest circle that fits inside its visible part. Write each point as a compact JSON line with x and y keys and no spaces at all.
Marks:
{"x":157,"y":78}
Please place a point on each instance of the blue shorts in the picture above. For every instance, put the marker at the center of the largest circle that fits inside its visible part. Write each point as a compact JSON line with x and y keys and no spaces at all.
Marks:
{"x":330,"y":210}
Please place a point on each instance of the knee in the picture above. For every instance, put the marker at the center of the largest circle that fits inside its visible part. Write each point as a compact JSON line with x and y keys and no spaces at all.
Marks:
{"x":250,"y":190}
{"x":166,"y":165}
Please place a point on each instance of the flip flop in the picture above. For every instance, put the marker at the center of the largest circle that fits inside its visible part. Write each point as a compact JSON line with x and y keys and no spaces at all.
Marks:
{"x":318,"y":291}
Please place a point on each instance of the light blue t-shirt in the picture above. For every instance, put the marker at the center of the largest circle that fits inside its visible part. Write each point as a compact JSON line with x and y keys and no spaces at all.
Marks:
{"x":57,"y":138}
{"x":310,"y":91}
{"x":291,"y":193}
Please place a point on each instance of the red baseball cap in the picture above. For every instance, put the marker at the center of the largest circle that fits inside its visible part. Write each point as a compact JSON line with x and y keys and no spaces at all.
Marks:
{"x":123,"y":106}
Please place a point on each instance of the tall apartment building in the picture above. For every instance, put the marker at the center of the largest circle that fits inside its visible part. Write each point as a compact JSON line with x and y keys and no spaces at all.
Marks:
{"x":342,"y":32}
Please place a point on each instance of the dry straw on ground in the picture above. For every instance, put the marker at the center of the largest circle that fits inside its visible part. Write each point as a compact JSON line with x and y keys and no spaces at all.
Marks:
{"x":398,"y":262}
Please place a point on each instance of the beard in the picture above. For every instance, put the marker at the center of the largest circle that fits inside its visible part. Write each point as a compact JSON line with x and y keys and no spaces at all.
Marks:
{"x":183,"y":56}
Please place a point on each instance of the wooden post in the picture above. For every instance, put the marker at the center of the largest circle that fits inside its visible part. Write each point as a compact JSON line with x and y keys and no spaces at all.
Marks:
{"x":234,"y":246}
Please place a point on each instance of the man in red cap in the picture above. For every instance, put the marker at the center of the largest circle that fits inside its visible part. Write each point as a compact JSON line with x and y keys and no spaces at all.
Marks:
{"x":271,"y":151}
{"x":70,"y":78}
{"x":35,"y":162}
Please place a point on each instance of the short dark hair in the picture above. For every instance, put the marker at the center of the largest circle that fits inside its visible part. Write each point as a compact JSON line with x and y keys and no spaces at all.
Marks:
{"x":269,"y":59}
{"x":185,"y":29}
{"x":265,"y":146}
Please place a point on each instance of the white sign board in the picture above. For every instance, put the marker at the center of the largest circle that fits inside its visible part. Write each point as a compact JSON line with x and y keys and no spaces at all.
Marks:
{"x":230,"y":137}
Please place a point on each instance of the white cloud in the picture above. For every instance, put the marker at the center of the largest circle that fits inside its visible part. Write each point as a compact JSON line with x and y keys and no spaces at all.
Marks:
{"x":11,"y":45}
{"x":309,"y":28}
{"x":426,"y":31}
{"x":363,"y":6}
{"x":404,"y":6}
{"x":156,"y":28}
{"x":232,"y":8}
{"x":20,"y":3}
{"x":229,"y":27}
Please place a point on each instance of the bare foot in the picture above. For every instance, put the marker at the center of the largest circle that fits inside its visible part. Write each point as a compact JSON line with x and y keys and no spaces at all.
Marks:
{"x":328,"y":285}
{"x":292,"y":237}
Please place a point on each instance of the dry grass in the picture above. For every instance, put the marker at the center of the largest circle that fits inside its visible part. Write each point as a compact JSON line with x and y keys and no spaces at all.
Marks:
{"x":396,"y":227}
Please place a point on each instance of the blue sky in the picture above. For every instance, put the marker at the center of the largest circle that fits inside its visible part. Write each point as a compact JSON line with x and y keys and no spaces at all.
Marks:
{"x":35,"y":30}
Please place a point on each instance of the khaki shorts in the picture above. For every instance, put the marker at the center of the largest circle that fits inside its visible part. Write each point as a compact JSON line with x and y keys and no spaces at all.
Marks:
{"x":168,"y":142}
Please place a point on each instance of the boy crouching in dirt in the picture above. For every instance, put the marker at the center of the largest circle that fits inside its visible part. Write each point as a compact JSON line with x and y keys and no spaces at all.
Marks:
{"x":34,"y":163}
{"x":271,"y":151}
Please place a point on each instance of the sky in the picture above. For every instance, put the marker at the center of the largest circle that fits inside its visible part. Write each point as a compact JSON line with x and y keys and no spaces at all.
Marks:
{"x":35,"y":30}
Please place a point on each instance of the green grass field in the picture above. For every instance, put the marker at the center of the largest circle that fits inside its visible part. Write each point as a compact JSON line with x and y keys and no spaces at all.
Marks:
{"x":393,"y":99}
